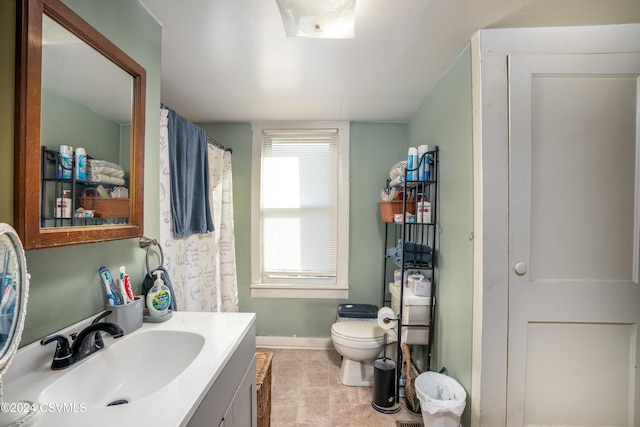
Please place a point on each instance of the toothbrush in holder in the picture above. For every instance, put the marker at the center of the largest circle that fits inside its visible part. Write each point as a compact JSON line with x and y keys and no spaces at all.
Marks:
{"x":113,"y":296}
{"x":124,"y":284}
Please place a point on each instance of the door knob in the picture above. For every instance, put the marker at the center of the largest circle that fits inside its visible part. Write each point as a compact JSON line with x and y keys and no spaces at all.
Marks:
{"x":521,"y":268}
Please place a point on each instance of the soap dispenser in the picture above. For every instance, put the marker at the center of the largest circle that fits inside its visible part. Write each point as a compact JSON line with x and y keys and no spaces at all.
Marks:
{"x":158,"y":297}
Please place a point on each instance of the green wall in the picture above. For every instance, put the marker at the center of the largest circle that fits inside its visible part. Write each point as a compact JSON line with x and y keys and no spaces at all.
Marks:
{"x":99,"y":136}
{"x":95,"y":133}
{"x":445,"y":119}
{"x":374,"y":149}
{"x":65,"y":286}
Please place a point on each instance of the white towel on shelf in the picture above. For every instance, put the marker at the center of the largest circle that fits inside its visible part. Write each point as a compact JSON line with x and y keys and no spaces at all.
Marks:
{"x":105,"y":168}
{"x":397,"y":181}
{"x":398,"y":169}
{"x":104,"y":179}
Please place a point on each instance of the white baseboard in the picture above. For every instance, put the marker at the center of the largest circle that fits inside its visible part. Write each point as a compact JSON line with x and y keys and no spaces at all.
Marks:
{"x":294,"y":342}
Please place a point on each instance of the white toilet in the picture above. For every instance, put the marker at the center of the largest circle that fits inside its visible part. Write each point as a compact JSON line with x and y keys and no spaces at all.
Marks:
{"x":360,"y":341}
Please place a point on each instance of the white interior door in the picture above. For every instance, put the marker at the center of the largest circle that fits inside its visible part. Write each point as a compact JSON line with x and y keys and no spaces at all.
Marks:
{"x":574,"y":227}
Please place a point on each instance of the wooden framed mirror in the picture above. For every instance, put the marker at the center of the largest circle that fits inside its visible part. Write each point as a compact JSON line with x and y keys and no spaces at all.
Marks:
{"x":75,"y":89}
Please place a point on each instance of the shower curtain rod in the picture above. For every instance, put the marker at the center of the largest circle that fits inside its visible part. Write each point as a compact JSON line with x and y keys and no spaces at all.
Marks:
{"x":209,"y":139}
{"x":218,"y":145}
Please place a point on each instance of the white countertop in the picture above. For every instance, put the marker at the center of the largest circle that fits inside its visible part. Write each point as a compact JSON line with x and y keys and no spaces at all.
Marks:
{"x":173,"y":405}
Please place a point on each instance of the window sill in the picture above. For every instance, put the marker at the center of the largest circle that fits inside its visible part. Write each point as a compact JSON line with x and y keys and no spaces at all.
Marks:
{"x":273,"y":290}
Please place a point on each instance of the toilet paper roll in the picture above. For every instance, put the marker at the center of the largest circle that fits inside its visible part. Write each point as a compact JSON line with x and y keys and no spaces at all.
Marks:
{"x":386,"y":318}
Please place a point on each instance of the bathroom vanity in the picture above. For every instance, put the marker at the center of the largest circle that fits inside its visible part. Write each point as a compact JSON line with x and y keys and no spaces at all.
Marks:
{"x":196,"y":369}
{"x":232,"y":400}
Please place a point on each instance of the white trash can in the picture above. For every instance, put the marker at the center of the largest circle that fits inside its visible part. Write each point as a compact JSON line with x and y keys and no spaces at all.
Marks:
{"x":442,"y":399}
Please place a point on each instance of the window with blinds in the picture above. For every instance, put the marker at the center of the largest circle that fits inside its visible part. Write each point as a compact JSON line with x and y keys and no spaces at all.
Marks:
{"x":299,"y":205}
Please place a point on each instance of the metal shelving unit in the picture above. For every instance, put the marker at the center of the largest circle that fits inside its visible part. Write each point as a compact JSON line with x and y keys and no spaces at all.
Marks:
{"x":53,"y":187}
{"x":414,"y":233}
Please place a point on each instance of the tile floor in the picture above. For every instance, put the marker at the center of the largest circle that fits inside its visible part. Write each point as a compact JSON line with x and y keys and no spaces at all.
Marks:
{"x":306,"y":391}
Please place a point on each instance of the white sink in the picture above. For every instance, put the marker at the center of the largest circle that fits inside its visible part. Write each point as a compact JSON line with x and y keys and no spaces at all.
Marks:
{"x":162,"y":371}
{"x":128,"y":369}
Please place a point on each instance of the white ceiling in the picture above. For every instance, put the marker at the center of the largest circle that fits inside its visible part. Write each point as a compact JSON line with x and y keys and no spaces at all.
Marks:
{"x":229,"y":60}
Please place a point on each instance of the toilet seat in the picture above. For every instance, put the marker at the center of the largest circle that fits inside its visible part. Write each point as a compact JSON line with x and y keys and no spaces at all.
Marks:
{"x":359,"y":331}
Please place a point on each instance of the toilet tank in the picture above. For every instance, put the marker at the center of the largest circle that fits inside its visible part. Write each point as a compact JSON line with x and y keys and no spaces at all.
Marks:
{"x":362,"y":312}
{"x":417,"y":310}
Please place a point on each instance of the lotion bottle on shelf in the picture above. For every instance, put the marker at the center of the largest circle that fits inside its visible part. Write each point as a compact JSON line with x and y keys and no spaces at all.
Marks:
{"x":158,"y":297}
{"x":424,"y":210}
{"x":63,"y":205}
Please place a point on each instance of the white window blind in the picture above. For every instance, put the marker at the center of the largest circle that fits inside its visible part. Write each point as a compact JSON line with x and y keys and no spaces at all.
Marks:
{"x":299,"y":205}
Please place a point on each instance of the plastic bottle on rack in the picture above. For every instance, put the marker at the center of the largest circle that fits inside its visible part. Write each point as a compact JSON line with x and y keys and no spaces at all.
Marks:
{"x":66,"y":162}
{"x":63,"y":205}
{"x":423,"y":208}
{"x":81,"y":164}
{"x":412,"y":163}
{"x":423,"y":169}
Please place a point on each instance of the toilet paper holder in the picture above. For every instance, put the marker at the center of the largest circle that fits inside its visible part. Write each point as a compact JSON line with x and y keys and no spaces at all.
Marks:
{"x":385,"y":318}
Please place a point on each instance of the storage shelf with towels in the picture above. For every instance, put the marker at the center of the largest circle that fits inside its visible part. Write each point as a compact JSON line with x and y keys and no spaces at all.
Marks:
{"x":413,"y":234}
{"x":54,"y":188}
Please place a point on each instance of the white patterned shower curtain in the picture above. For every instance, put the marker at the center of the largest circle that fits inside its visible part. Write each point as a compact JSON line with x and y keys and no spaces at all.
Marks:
{"x":202,"y":267}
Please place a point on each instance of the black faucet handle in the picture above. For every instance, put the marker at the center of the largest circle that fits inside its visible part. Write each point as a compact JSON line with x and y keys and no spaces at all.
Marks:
{"x":101,"y":316}
{"x":62,"y":357}
{"x":62,"y":342}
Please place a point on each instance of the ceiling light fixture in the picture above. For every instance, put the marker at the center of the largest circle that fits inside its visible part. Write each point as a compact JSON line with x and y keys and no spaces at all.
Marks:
{"x":329,"y":19}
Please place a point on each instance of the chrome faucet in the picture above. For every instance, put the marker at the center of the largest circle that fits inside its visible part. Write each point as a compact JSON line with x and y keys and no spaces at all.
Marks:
{"x":85,"y":343}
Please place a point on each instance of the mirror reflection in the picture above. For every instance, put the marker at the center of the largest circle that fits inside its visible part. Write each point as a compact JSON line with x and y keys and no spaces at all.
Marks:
{"x":85,"y":133}
{"x":77,"y":90}
{"x":10,"y":279}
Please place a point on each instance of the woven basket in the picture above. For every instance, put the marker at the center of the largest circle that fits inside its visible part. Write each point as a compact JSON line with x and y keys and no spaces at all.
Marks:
{"x":103,"y":207}
{"x":263,"y":387}
{"x":390,"y":208}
